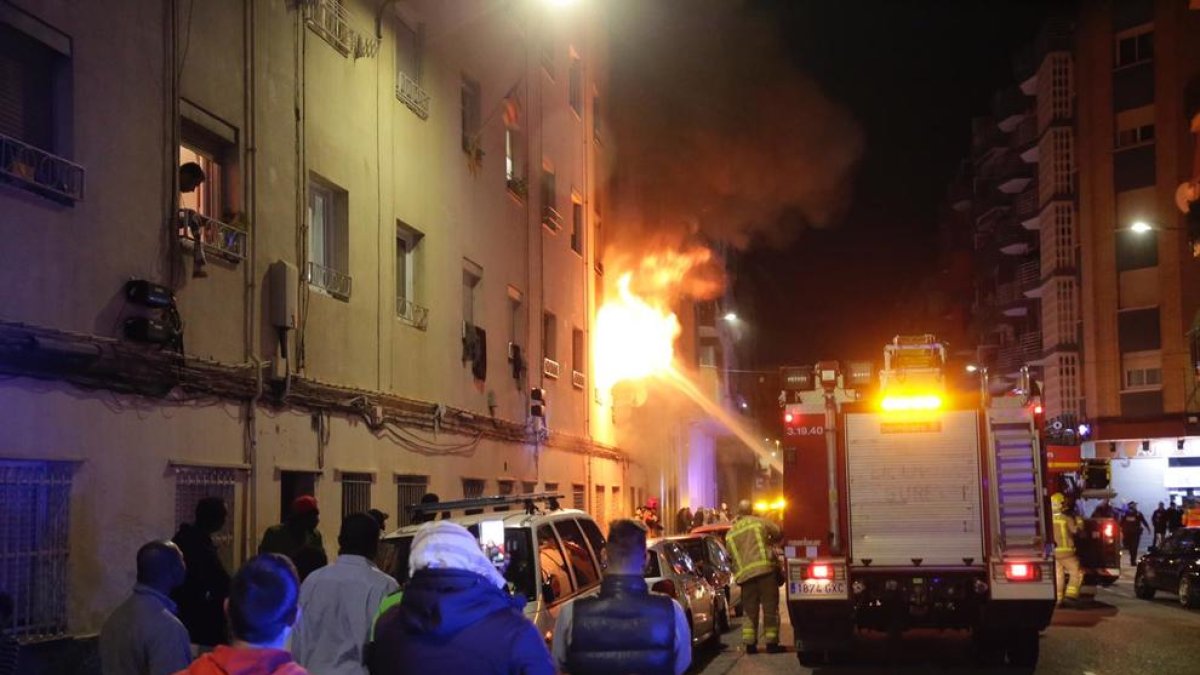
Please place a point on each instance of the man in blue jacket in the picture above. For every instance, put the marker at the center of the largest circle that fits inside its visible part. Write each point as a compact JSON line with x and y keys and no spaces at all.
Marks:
{"x":456,"y":615}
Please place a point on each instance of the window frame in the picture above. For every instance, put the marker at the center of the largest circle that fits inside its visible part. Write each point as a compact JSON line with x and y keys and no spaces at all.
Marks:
{"x":353,"y":483}
{"x":549,"y":336}
{"x":472,"y":114}
{"x":566,"y":567}
{"x":567,"y":529}
{"x":405,"y":483}
{"x":1142,"y":41}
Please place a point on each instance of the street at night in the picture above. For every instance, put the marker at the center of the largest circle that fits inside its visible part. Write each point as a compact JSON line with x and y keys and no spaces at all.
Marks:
{"x":378,"y":337}
{"x":1121,"y":634}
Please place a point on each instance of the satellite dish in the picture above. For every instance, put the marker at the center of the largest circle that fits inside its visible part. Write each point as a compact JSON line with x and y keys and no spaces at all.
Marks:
{"x":1185,"y":194}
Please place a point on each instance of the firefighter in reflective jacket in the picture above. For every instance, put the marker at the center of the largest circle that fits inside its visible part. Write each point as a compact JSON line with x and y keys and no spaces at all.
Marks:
{"x":750,"y":541}
{"x":1066,"y":563}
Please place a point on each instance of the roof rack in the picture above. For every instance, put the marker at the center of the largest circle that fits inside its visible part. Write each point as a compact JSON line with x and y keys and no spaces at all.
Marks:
{"x":527,"y":499}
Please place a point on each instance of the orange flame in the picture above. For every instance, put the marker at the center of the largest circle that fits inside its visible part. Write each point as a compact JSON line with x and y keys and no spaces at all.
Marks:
{"x":635,"y":328}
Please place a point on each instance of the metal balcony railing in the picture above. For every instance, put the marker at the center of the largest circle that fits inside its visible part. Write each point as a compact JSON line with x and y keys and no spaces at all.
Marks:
{"x":1008,"y":293}
{"x":412,"y":313}
{"x":410,"y":93}
{"x":338,"y":284}
{"x":218,"y":238}
{"x":1031,"y":345}
{"x":40,"y":172}
{"x":551,"y":368}
{"x":1026,"y":203}
{"x":551,"y":218}
{"x":1029,"y":274}
{"x":578,"y":379}
{"x":1026,"y":133}
{"x":331,"y":20}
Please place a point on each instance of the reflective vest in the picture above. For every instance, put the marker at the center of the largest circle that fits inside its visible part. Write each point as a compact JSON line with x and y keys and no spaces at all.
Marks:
{"x":1064,"y":533}
{"x":1191,"y":517}
{"x":747,"y":543}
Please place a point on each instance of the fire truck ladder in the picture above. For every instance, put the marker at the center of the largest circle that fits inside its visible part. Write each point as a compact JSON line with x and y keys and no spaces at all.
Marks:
{"x":1016,"y":475}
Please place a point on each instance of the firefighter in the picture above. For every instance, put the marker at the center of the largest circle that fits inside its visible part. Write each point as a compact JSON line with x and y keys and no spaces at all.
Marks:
{"x":750,"y":541}
{"x":1066,"y":563}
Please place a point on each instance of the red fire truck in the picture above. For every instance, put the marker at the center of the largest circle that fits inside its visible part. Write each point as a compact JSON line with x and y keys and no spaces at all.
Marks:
{"x":912,"y":505}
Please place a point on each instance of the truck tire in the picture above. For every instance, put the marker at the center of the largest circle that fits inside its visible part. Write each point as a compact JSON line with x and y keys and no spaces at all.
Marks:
{"x":1189,"y":592}
{"x":1023,"y":648}
{"x":1142,"y":587}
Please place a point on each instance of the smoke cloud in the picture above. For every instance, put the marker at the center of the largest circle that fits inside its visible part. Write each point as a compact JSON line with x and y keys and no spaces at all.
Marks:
{"x":719,"y":136}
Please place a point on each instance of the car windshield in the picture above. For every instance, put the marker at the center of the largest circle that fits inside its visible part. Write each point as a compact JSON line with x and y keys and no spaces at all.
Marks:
{"x":515,"y":562}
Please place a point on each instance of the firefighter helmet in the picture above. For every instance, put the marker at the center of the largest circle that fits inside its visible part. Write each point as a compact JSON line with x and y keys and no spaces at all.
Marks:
{"x":1057,"y":500}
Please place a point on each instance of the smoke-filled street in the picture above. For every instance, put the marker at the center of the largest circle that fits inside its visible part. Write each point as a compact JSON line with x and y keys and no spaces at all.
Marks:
{"x":1121,"y":635}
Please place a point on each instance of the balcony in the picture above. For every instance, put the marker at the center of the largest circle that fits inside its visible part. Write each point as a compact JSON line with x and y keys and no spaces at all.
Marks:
{"x":551,"y":218}
{"x":223,"y":240}
{"x":1026,"y":207}
{"x":1013,"y":174}
{"x":40,"y":172}
{"x":410,"y":93}
{"x":1031,"y":345}
{"x":578,"y":379}
{"x":1025,"y":139}
{"x":335,"y":283}
{"x":1029,"y":276}
{"x":1010,"y":106}
{"x":331,"y":21}
{"x":551,"y":368}
{"x":411,"y":313}
{"x":1013,"y":240}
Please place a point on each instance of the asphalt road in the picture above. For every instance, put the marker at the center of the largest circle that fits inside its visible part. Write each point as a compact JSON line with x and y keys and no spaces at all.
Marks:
{"x":1120,"y":635}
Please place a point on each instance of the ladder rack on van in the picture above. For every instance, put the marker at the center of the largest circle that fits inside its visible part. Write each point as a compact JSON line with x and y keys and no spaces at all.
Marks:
{"x":498,"y":500}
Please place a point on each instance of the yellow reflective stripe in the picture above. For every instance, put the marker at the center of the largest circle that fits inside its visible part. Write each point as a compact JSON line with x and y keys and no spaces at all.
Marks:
{"x":1063,"y":541}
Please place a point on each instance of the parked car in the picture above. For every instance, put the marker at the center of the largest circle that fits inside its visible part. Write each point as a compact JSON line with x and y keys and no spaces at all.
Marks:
{"x":708,"y":552}
{"x":670,"y":571}
{"x":1173,"y":567}
{"x":548,"y":558}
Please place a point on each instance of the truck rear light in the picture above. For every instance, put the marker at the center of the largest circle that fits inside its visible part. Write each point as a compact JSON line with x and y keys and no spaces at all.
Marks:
{"x":1021,"y":571}
{"x":1109,"y":530}
{"x":820,"y":571}
{"x":788,"y":418}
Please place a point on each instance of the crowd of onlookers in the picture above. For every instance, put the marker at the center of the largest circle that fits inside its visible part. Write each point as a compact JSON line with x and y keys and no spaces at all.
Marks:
{"x":1163,"y":522}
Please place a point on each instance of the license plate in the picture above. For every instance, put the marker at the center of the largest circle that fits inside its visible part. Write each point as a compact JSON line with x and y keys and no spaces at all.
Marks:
{"x":819,"y":589}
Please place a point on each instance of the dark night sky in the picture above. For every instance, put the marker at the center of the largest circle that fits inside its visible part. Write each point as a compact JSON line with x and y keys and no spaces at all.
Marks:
{"x":913,"y":73}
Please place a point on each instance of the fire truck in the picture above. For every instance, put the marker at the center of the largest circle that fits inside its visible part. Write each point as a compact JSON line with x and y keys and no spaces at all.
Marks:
{"x":912,"y":505}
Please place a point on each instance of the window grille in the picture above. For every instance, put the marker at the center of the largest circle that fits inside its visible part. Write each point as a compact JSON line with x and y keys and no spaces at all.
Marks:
{"x":409,"y":490}
{"x":356,"y":493}
{"x":598,"y":507}
{"x":34,"y":545}
{"x":614,"y":504}
{"x":528,"y":487}
{"x":578,"y":497}
{"x":193,"y":483}
{"x":506,"y":489}
{"x":473,"y":488}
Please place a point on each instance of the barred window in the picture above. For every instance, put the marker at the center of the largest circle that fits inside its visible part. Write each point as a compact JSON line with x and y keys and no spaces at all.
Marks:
{"x":356,"y":493}
{"x":506,"y":490}
{"x":473,"y":489}
{"x":577,"y":496}
{"x":528,"y":487}
{"x":598,"y":506}
{"x":409,"y":490}
{"x":34,"y":544}
{"x":193,"y":483}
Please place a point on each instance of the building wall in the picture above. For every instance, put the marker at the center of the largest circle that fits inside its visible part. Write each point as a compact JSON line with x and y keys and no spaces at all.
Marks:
{"x":297,"y":107}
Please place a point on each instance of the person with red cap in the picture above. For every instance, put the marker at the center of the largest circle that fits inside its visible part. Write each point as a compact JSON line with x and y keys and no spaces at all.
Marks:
{"x":297,"y":537}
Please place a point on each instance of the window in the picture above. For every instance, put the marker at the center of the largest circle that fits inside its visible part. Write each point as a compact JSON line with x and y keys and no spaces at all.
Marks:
{"x":35,"y":109}
{"x":206,"y":198}
{"x":1138,"y":330}
{"x":1134,"y":48}
{"x":409,"y":490}
{"x":614,"y":504}
{"x":550,"y":215}
{"x":472,"y":279}
{"x":1135,"y":136}
{"x":592,"y":532}
{"x":549,"y":336}
{"x":328,"y":239}
{"x":1143,"y":378}
{"x":578,"y":358}
{"x":596,"y":134}
{"x":575,"y":85}
{"x":35,"y":514}
{"x":556,"y":579}
{"x":356,"y":493}
{"x":515,"y":314}
{"x":473,"y":489}
{"x":1136,"y":250}
{"x":599,"y":502}
{"x":528,"y":487}
{"x":579,"y":555}
{"x":551,"y":487}
{"x":505,"y":488}
{"x":578,"y":497}
{"x":577,"y":231}
{"x":193,"y":483}
{"x":408,"y":251}
{"x":472,"y":116}
{"x":1141,"y":370}
{"x":294,"y":484}
{"x":409,"y":43}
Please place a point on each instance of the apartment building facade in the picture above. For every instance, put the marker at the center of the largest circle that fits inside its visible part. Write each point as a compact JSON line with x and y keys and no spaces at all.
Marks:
{"x":397,"y":238}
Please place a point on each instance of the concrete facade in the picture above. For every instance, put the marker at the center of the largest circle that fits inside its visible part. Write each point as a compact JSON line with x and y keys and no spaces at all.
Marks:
{"x":286,"y":96}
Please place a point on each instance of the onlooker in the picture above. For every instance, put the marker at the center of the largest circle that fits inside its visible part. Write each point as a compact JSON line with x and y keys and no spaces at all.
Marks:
{"x":1174,"y":517}
{"x":1104,"y":510}
{"x":143,"y":636}
{"x":683,"y":520}
{"x":201,"y":598}
{"x":297,"y":537}
{"x":338,"y":603}
{"x":426,"y":516}
{"x":755,"y":568}
{"x":723,"y":515}
{"x":625,"y":629}
{"x":261,"y":610}
{"x":1132,"y":524}
{"x":1159,"y":520}
{"x":10,"y":649}
{"x":699,"y":517}
{"x":380,"y":517}
{"x":455,"y":615}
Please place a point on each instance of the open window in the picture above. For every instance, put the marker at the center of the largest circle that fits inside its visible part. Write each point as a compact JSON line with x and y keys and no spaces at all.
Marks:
{"x":408,"y":261}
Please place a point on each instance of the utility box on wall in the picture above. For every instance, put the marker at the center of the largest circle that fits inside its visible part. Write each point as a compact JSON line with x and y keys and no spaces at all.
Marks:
{"x":283,"y":283}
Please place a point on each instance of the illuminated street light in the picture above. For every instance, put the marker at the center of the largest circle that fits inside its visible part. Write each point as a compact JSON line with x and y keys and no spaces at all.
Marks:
{"x":972,"y":368}
{"x":1141,"y":227}
{"x":730,"y":317}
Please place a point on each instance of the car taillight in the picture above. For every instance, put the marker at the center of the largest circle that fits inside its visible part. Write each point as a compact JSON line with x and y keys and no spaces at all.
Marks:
{"x":1019,"y":571}
{"x":666,"y":587}
{"x":1109,"y":530}
{"x":820,"y":571}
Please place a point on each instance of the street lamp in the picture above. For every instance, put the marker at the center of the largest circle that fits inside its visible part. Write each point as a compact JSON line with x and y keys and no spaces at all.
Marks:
{"x":731,"y":317}
{"x":972,"y":368}
{"x":1144,"y":226}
